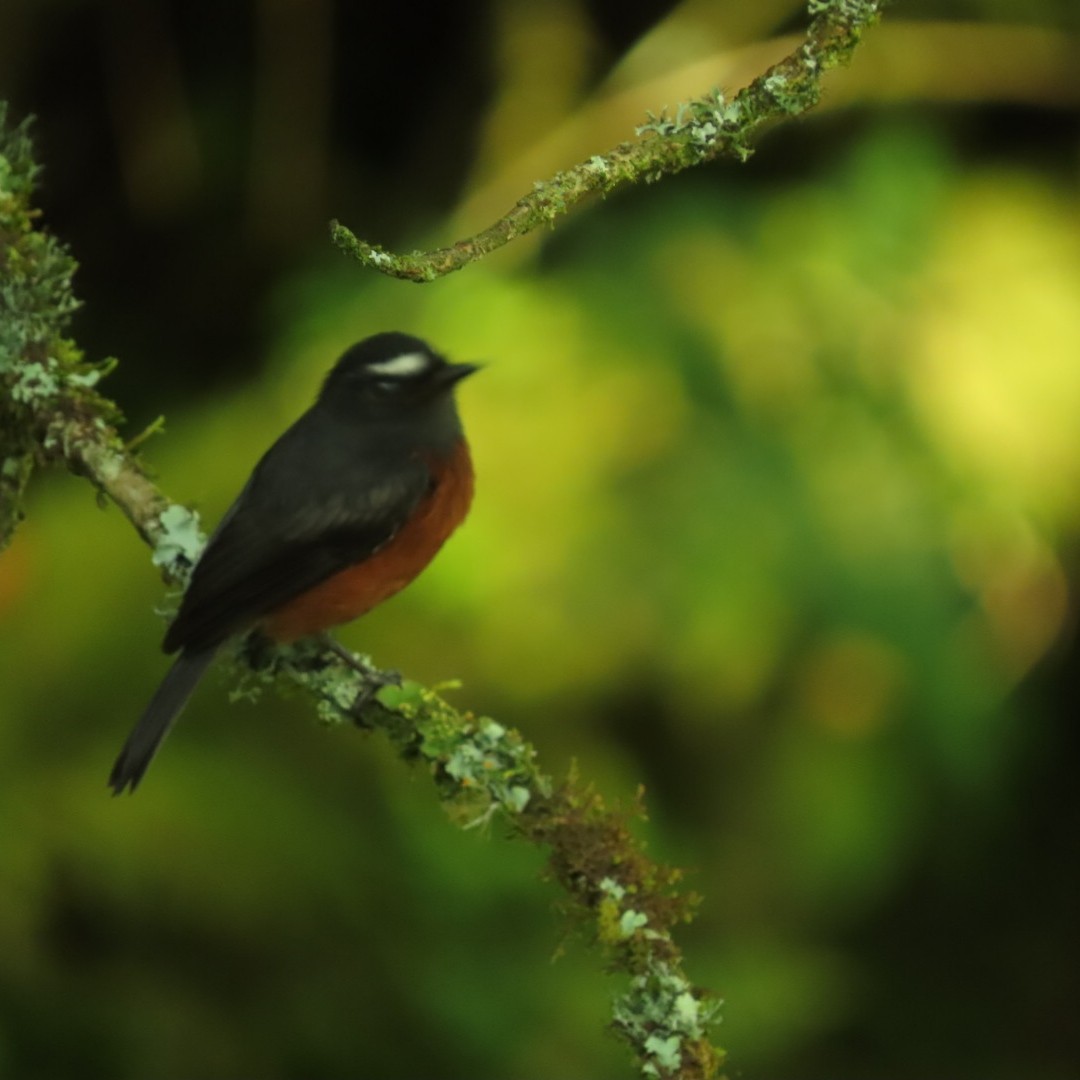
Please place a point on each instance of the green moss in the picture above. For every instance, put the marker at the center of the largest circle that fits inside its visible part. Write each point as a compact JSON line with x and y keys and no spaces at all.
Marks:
{"x":701,"y":130}
{"x":46,"y":386}
{"x":36,"y":270}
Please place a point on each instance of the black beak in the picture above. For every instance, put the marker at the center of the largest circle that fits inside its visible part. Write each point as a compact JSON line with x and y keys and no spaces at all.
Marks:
{"x":454,"y":373}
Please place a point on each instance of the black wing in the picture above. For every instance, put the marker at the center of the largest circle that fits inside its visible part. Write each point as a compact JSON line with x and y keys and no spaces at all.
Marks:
{"x":318,"y":502}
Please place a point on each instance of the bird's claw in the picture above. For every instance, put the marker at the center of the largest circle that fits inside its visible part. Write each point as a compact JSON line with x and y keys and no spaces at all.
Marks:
{"x":374,"y":681}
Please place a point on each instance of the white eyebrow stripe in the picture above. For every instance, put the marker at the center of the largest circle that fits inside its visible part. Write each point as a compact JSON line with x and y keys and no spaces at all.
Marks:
{"x":410,"y":363}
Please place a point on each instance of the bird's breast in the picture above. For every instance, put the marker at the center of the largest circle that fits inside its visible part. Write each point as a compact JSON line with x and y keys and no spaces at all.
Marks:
{"x":354,"y":591}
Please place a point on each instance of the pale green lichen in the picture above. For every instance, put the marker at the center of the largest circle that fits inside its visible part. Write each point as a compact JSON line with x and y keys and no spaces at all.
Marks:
{"x":704,"y":124}
{"x":108,"y":465}
{"x":631,"y":921}
{"x":491,"y":759}
{"x":18,"y":170}
{"x":32,"y":381}
{"x":615,"y":923}
{"x":853,"y":11}
{"x":181,"y":540}
{"x":667,"y":1054}
{"x":37,"y":363}
{"x":610,"y":887}
{"x":91,"y":377}
{"x":36,"y":302}
{"x":662,"y":1012}
{"x":478,"y":763}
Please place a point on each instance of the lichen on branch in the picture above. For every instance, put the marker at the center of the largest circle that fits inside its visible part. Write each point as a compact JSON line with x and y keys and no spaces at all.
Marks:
{"x":706,"y":128}
{"x":52,"y":413}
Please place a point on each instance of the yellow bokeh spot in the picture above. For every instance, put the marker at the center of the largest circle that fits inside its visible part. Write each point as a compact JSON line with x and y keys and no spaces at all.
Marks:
{"x":994,"y":370}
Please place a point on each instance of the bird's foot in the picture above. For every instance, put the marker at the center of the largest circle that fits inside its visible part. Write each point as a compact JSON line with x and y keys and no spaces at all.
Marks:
{"x":373,"y":679}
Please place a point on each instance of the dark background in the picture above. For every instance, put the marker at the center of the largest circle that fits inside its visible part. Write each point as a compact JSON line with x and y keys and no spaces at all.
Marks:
{"x":777,"y":515}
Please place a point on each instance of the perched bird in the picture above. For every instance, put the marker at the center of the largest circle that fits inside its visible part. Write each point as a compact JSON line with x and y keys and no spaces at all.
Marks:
{"x":342,"y":512}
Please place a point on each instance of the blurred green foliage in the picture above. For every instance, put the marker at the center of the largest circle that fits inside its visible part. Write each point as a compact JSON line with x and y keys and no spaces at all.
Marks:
{"x":777,"y":512}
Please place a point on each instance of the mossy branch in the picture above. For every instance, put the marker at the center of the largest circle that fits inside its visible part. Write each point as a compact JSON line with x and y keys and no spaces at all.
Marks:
{"x":701,"y":130}
{"x":51,"y":413}
{"x":49,"y":409}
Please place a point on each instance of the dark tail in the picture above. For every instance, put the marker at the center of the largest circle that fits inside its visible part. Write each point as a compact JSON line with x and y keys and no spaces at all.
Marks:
{"x":165,"y":706}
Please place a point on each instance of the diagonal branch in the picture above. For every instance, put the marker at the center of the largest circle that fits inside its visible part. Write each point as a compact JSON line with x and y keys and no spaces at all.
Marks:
{"x":702,"y":130}
{"x":51,"y":414}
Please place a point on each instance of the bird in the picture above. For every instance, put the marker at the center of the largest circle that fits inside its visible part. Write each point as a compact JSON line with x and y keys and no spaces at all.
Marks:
{"x":343,"y":511}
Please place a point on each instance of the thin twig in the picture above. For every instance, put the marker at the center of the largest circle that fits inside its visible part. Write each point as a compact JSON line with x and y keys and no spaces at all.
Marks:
{"x":701,"y":130}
